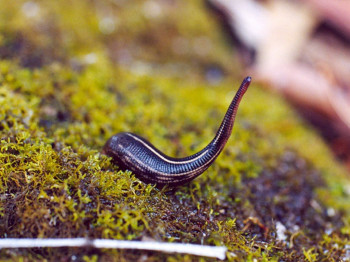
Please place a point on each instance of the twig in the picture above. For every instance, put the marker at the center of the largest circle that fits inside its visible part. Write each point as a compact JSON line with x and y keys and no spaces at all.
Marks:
{"x":192,"y":249}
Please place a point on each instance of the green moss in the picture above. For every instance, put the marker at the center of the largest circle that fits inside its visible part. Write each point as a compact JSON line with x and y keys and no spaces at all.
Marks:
{"x":60,"y":103}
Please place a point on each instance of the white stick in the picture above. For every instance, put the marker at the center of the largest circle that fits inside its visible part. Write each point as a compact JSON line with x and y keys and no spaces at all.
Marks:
{"x":192,"y":249}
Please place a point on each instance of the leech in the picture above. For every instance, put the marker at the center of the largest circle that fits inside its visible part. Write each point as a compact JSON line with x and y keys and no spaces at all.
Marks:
{"x":134,"y":153}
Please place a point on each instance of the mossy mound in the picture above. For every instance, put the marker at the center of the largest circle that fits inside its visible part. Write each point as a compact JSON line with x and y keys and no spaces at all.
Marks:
{"x":274,"y":194}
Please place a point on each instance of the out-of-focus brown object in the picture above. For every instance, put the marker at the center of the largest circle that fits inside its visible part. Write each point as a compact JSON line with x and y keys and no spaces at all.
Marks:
{"x":302,"y":49}
{"x":336,"y":12}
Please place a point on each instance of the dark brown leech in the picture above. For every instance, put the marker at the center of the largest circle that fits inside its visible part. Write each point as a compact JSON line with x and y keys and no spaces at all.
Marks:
{"x":134,"y":153}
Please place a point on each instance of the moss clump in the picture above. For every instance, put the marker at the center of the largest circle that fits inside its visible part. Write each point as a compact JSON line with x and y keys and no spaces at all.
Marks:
{"x":274,"y":194}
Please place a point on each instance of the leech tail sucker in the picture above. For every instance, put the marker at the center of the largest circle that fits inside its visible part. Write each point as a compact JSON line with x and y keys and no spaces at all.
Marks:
{"x":132,"y":152}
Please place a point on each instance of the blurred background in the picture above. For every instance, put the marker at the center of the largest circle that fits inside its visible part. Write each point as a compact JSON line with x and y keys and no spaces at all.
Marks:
{"x":299,"y":49}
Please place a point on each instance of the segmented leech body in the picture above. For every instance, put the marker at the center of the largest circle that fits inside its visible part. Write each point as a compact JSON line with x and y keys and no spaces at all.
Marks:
{"x":134,"y":153}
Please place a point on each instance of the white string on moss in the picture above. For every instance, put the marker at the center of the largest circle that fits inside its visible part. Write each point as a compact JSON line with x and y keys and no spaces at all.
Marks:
{"x":191,"y":249}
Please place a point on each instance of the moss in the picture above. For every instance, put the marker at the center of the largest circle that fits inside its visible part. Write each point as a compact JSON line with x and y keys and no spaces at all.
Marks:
{"x":275,"y":175}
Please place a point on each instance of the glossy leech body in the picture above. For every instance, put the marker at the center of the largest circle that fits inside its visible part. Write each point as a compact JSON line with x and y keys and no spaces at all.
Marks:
{"x":134,"y":153}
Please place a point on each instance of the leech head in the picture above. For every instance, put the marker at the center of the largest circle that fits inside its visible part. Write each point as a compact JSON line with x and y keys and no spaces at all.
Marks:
{"x":241,"y":91}
{"x":225,"y":130}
